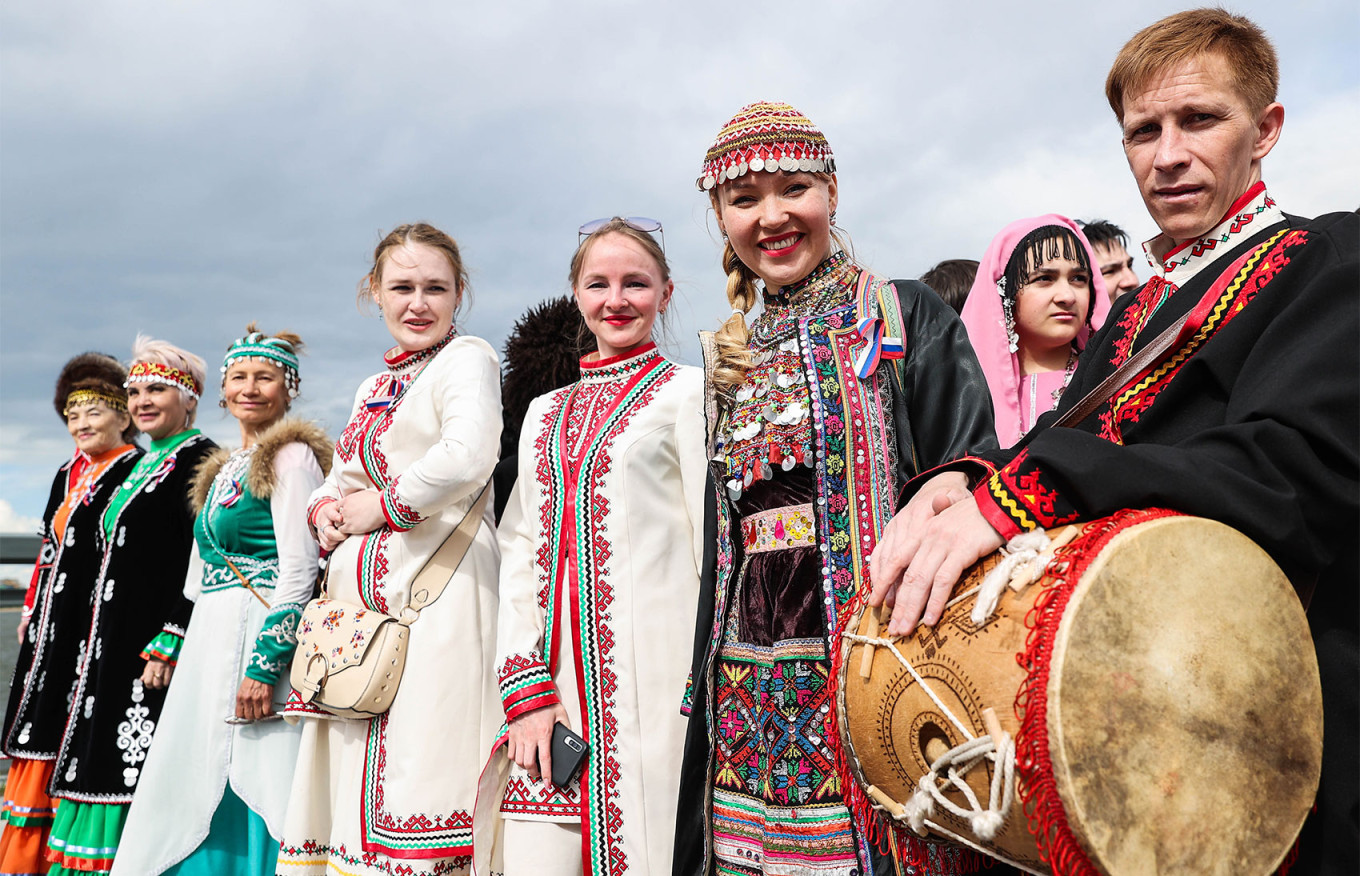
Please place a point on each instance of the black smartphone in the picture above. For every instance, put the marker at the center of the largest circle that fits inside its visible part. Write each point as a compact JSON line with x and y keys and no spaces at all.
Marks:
{"x":568,"y":753}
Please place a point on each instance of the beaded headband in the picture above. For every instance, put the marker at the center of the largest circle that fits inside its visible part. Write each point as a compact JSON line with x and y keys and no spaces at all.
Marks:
{"x":260,"y":347}
{"x":765,"y":136}
{"x":155,"y":372}
{"x":90,"y":396}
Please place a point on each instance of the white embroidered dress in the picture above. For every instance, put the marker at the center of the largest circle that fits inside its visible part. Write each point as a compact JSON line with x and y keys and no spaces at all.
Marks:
{"x":396,"y":794}
{"x":601,"y":546}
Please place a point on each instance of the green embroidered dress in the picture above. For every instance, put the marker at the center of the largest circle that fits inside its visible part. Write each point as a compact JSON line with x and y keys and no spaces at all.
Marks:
{"x":252,"y":513}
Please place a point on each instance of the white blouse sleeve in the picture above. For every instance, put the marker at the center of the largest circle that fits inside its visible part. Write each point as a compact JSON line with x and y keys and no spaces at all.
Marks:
{"x":468,"y":398}
{"x":329,"y":489}
{"x":297,"y":475}
{"x":521,"y":671}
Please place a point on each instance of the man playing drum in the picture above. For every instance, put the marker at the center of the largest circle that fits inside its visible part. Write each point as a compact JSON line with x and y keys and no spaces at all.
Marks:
{"x":1251,"y":415}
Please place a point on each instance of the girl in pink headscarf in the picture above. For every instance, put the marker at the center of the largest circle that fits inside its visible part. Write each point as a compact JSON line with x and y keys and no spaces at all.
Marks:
{"x":1034,"y":304}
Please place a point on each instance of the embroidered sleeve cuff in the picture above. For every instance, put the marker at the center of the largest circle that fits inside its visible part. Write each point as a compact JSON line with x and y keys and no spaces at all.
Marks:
{"x":315,"y":507}
{"x":1020,"y":497}
{"x":526,"y":685}
{"x":275,"y":644}
{"x":400,"y":516}
{"x":164,"y":647}
{"x":687,"y":701}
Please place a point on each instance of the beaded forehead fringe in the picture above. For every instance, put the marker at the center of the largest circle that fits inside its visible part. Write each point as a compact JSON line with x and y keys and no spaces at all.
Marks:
{"x":90,"y":396}
{"x":155,"y":372}
{"x":260,"y":347}
{"x":765,"y":136}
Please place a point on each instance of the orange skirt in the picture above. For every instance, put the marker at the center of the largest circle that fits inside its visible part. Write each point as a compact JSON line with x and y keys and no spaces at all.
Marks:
{"x":28,"y":813}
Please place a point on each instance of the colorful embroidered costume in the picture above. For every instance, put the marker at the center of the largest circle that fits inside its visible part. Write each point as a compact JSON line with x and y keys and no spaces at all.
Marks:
{"x":54,"y":646}
{"x":252,"y":508}
{"x":396,"y":794}
{"x":1251,"y":419}
{"x":809,"y":458}
{"x":146,"y":536}
{"x":601,"y":547}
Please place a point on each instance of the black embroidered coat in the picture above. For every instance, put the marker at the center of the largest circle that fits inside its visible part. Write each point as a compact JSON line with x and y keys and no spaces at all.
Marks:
{"x":50,"y":654}
{"x":1259,"y":428}
{"x":138,"y":594}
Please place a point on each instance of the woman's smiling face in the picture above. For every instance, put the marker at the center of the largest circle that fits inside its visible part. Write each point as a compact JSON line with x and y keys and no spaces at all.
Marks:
{"x":778,"y":223}
{"x":620,"y":291}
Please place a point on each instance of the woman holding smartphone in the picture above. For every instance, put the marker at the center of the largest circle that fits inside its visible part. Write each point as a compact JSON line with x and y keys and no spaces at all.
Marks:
{"x":601,"y":545}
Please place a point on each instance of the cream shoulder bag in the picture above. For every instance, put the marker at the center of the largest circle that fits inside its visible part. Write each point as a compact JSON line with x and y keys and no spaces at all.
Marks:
{"x":350,"y":658}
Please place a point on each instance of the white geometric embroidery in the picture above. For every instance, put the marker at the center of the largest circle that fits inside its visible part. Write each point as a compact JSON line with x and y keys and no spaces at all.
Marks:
{"x":23,"y":734}
{"x":130,"y":777}
{"x":134,"y":734}
{"x":122,"y":531}
{"x":71,"y":770}
{"x":108,"y":590}
{"x":99,"y":648}
{"x":89,"y":706}
{"x":61,"y":583}
{"x":70,"y":536}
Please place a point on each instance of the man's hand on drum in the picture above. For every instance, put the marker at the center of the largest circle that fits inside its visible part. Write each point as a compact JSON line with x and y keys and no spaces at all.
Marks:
{"x":925,"y":549}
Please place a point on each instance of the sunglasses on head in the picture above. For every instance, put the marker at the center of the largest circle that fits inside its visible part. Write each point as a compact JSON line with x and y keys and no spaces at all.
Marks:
{"x":637,"y":223}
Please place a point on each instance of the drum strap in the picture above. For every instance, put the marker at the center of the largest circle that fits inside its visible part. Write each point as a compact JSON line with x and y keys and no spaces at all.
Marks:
{"x":1131,"y":366}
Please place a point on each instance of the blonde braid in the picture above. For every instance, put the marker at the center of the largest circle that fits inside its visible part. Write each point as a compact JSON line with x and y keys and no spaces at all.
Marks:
{"x":733,"y":339}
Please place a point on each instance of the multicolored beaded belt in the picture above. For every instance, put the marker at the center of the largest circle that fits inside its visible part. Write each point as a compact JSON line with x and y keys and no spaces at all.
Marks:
{"x":778,"y":529}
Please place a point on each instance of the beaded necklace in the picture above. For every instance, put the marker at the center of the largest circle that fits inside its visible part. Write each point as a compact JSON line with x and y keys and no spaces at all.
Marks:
{"x":818,"y":292}
{"x":769,"y":422}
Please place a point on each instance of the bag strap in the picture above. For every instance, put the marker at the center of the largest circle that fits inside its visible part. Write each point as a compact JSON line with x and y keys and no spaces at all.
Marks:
{"x":242,"y":578}
{"x":1131,"y":366}
{"x":435,"y":575}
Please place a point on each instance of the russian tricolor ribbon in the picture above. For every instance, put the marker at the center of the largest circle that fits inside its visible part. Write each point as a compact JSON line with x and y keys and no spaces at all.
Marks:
{"x":873,"y":346}
{"x":232,"y":495}
{"x":162,"y":471}
{"x":383,"y":400}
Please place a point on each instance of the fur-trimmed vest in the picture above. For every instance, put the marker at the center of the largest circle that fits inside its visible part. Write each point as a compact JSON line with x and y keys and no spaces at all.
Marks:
{"x":260,"y":478}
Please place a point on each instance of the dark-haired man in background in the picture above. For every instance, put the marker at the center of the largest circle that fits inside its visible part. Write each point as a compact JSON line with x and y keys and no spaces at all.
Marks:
{"x":1116,"y":265}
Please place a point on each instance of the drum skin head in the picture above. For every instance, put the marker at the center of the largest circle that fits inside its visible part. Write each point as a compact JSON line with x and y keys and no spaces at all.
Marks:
{"x":1184,"y":704}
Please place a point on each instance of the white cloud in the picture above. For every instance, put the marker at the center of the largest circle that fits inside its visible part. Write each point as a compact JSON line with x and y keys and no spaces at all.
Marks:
{"x":184,"y":168}
{"x":12,"y":523}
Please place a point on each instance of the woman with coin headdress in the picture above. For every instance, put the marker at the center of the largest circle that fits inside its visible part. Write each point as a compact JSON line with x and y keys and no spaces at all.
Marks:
{"x":844,"y":386}
{"x":601,"y":546}
{"x":259,"y":564}
{"x":90,"y":398}
{"x":135,"y":624}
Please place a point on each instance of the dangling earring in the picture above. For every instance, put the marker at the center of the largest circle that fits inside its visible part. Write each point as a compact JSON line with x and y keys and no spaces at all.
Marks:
{"x":1008,"y":315}
{"x":222,"y":403}
{"x":833,"y":217}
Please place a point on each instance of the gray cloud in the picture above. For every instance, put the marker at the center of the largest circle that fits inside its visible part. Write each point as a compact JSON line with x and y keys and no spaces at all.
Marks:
{"x":184,"y":168}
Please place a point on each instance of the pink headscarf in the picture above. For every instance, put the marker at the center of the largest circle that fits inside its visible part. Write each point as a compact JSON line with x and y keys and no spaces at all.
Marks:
{"x":986,"y":322}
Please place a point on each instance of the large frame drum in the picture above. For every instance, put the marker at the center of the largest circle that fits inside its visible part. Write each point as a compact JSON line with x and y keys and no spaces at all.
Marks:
{"x":1153,"y":683}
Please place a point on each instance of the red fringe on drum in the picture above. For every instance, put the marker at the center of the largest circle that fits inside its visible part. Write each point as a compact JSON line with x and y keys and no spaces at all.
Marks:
{"x":1036,"y":785}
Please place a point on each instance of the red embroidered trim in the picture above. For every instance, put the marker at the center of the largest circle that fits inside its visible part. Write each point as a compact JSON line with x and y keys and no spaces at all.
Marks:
{"x":1036,"y":782}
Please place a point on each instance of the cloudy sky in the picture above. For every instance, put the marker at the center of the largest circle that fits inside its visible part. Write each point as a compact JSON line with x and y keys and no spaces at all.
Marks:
{"x":183,"y":168}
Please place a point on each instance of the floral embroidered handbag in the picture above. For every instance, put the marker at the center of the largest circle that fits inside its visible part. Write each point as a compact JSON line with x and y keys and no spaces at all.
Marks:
{"x":350,"y":658}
